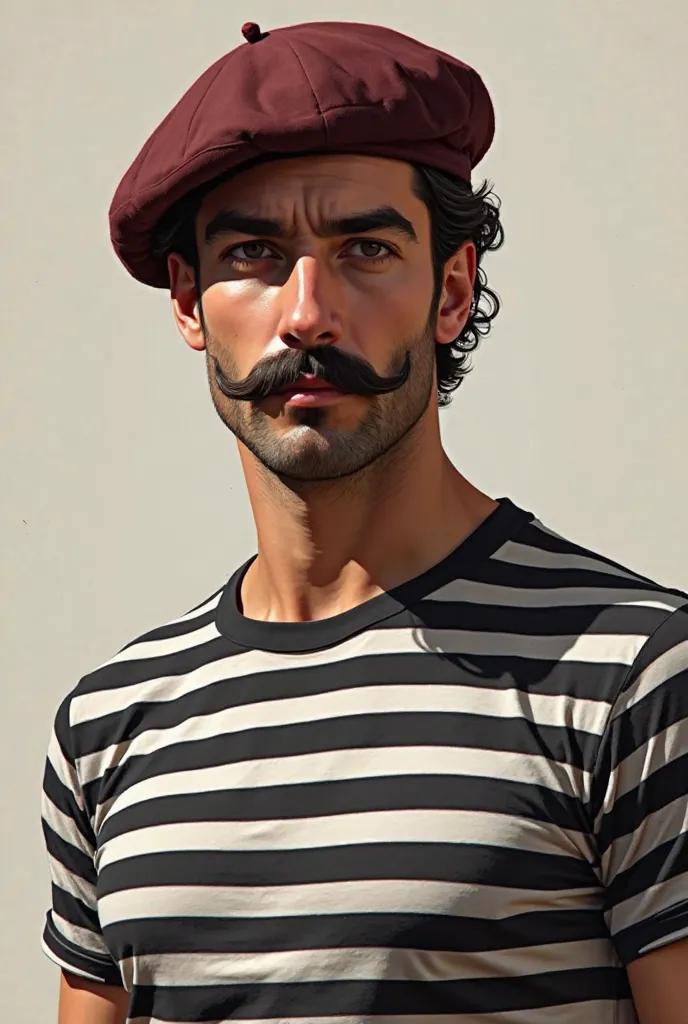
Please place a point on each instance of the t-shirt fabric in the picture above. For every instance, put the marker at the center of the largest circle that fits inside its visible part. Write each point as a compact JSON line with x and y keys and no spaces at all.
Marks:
{"x":463,"y":799}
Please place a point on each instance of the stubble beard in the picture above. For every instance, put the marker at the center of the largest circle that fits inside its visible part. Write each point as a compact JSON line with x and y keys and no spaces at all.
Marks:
{"x":309,"y":451}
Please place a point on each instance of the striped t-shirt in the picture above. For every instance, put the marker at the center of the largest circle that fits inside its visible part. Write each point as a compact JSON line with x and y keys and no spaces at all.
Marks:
{"x":463,"y":799}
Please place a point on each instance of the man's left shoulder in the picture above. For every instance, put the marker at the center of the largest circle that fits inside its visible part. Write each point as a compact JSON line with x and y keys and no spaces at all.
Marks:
{"x":621,"y":603}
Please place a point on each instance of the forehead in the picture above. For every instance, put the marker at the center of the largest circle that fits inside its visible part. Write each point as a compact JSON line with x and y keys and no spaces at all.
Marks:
{"x":332,"y":184}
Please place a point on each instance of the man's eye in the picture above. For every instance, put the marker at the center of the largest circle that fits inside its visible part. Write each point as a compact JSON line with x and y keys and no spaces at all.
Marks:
{"x":370,"y":250}
{"x":249,"y":251}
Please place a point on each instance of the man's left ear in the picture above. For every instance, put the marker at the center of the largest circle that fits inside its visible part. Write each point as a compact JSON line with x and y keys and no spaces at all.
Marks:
{"x":457,"y":294}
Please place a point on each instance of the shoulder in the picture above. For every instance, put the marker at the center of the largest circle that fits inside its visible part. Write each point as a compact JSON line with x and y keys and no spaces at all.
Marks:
{"x":624,"y":619}
{"x":544,"y":560}
{"x":145,"y":669}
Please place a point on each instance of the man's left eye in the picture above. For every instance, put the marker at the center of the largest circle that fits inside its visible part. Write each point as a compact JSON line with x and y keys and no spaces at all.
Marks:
{"x":370,"y":250}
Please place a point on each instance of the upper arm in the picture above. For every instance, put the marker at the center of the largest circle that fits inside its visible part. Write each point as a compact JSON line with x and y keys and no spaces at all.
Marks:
{"x":641,"y":807}
{"x":73,"y":937}
{"x":659,"y":984}
{"x":88,"y":1002}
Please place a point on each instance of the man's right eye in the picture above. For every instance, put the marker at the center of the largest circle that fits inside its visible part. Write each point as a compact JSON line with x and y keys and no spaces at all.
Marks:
{"x":249,"y":252}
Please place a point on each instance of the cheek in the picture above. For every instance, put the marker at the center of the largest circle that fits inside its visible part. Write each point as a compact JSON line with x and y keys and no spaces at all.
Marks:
{"x":240,"y":319}
{"x":390,"y":325}
{"x":396,"y":305}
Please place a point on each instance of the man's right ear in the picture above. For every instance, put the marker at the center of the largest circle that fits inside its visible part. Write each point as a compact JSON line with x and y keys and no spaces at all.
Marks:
{"x":185,"y":306}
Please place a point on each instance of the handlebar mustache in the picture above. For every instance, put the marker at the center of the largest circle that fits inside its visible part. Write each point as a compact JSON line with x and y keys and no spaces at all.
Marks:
{"x":347,"y":373}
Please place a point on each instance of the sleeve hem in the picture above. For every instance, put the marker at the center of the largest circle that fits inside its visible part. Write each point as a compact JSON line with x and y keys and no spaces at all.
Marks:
{"x":71,"y":957}
{"x":670,"y":925}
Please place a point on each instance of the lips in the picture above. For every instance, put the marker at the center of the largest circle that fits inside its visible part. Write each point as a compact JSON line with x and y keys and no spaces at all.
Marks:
{"x":308,"y":382}
{"x":310,"y":390}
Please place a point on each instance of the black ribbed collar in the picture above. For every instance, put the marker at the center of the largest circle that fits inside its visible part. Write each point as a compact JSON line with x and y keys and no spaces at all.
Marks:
{"x":302,"y":637}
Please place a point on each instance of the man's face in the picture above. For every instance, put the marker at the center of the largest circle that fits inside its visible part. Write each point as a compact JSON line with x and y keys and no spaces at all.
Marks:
{"x":316,"y":285}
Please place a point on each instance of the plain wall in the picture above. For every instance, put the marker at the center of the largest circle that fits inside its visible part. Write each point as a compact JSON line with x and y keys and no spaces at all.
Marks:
{"x":122,"y":499}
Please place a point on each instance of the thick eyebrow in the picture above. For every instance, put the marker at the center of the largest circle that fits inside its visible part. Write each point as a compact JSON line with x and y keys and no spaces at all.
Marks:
{"x":234,"y":222}
{"x":370,"y":220}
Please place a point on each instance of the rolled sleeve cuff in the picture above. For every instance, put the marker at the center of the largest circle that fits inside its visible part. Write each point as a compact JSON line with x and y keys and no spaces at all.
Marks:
{"x":670,"y":925}
{"x":84,"y":962}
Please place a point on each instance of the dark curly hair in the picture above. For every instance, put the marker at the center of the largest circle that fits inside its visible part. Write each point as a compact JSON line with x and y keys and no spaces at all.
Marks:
{"x":457,"y":215}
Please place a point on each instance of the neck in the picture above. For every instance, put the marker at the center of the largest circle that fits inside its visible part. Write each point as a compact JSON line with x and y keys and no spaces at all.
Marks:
{"x":324,"y":548}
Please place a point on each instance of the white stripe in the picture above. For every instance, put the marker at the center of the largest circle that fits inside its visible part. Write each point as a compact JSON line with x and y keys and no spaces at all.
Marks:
{"x":657,"y":752}
{"x":476,"y":592}
{"x":64,"y":770}
{"x":426,"y":698}
{"x":661,"y":826}
{"x":311,"y":966}
{"x":588,"y":648}
{"x":539,"y":558}
{"x":663,"y":668}
{"x":337,"y":830}
{"x":64,"y":826}
{"x":158,"y":648}
{"x":195,"y":613}
{"x":169,"y":645}
{"x":342,"y":765}
{"x":648,"y":904}
{"x":89,"y":941}
{"x":72,"y":884}
{"x":666,"y":940}
{"x":386,"y":896}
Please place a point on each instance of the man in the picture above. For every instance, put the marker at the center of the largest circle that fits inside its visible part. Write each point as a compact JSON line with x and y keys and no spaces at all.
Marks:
{"x":421,"y":757}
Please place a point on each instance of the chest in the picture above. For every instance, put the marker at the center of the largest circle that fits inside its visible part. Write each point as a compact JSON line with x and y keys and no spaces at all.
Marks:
{"x":384,"y":827}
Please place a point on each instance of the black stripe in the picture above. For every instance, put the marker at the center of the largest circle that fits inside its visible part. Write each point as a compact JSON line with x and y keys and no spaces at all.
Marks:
{"x":81,"y":960}
{"x":64,"y":800}
{"x":433,"y":666}
{"x":374,"y":998}
{"x":655,"y":792}
{"x":532,"y":535}
{"x":174,"y":629}
{"x":331,"y":931}
{"x":528,"y":577}
{"x":542,"y":676}
{"x":665,"y":705}
{"x":115,"y":675}
{"x":546,"y":676}
{"x":598,"y":618}
{"x":673,"y":631}
{"x":350,"y":796}
{"x":74,"y":910}
{"x":72,"y":858}
{"x":353,"y":732}
{"x":667,"y":861}
{"x":632,"y":941}
{"x":445,"y":862}
{"x":62,"y":729}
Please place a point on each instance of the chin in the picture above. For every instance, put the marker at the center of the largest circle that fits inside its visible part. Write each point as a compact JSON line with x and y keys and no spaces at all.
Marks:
{"x":308,"y":455}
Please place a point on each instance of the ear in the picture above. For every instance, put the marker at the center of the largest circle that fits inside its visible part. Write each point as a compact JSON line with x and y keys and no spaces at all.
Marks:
{"x":185,"y":302}
{"x":457,"y":294}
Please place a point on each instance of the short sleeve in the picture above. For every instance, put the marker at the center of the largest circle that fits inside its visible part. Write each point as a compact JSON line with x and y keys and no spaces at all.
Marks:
{"x":72,"y":937}
{"x":640,"y":797}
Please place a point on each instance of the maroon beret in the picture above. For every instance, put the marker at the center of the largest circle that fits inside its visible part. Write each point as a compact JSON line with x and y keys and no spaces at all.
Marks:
{"x":329,"y":87}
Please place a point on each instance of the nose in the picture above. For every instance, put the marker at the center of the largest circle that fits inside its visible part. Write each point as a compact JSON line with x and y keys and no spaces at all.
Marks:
{"x":309,"y":315}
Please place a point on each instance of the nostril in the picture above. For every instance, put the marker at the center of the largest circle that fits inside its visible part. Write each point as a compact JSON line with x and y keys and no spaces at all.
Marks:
{"x":308,"y":338}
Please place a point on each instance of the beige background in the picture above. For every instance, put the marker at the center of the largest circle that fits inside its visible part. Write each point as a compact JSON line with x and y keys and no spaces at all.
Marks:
{"x":122,"y":499}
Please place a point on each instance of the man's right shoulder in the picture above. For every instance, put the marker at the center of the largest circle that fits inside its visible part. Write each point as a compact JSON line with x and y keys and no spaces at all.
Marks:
{"x":148,"y":667}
